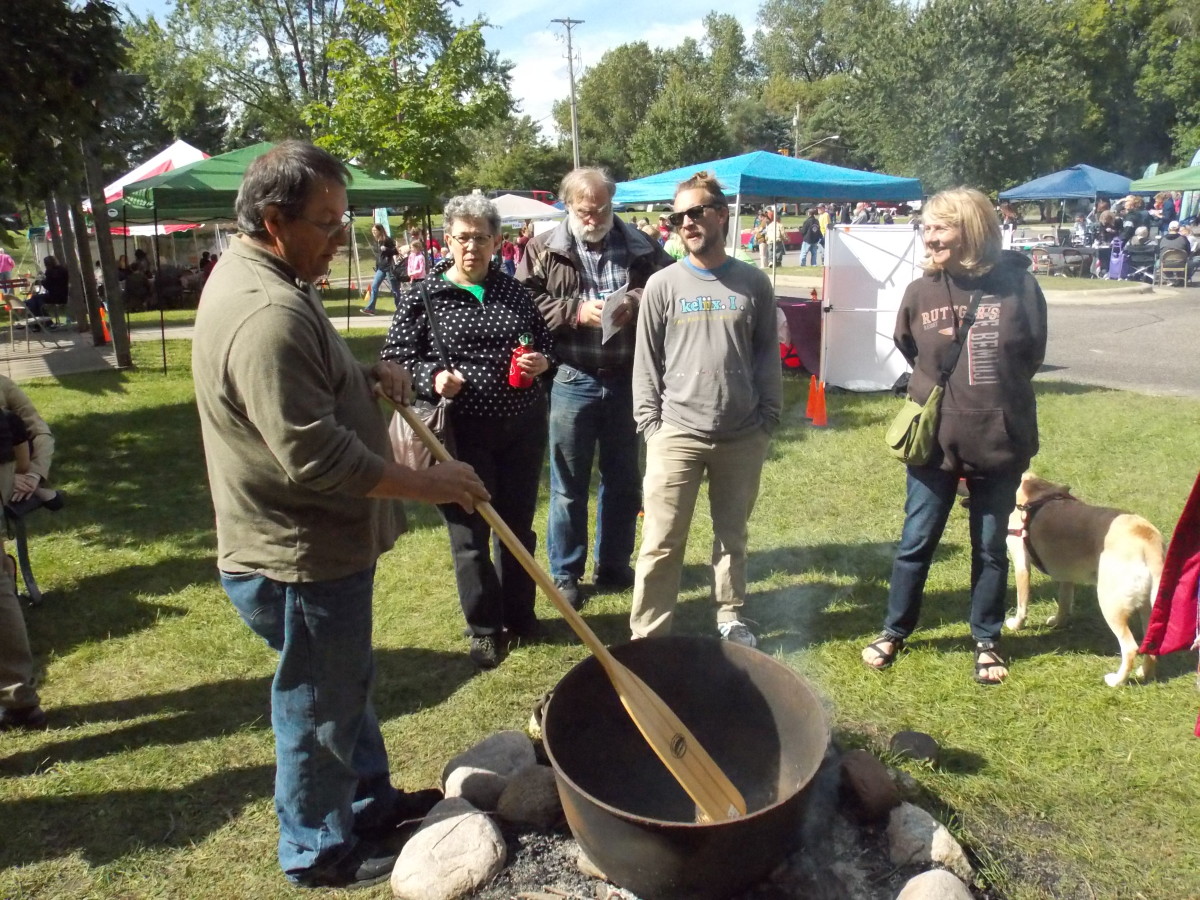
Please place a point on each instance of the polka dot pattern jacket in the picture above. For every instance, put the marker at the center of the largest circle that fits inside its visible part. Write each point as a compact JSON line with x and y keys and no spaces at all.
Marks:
{"x":478,"y":338}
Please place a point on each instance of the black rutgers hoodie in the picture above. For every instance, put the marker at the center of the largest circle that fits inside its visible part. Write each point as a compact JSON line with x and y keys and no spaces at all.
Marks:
{"x":989,"y":414}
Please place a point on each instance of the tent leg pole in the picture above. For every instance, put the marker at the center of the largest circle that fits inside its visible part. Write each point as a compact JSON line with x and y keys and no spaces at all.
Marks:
{"x":162,"y":320}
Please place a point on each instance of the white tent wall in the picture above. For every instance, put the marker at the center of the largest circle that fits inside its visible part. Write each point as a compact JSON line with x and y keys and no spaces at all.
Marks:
{"x":868,"y":269}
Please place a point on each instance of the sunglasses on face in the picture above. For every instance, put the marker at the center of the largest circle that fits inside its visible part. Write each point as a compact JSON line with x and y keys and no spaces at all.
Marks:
{"x":694,"y":213}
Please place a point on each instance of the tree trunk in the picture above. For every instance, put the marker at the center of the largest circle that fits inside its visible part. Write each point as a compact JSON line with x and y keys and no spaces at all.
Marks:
{"x":89,"y":274}
{"x":108,"y":261}
{"x":54,"y":229}
{"x":76,"y":298}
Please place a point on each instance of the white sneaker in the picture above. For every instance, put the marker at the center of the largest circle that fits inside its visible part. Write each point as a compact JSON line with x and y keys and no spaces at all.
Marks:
{"x":737,"y":632}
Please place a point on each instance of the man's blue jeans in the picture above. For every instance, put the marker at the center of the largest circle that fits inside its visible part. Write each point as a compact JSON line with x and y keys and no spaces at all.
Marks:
{"x":808,"y":255}
{"x":586,"y":411}
{"x":331,"y":765}
{"x":931,"y":496}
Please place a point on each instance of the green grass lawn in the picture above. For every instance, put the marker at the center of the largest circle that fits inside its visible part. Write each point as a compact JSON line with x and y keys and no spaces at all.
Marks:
{"x":155,"y":780}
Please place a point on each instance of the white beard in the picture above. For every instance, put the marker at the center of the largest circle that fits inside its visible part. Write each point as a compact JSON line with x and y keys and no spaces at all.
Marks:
{"x":588,"y":235}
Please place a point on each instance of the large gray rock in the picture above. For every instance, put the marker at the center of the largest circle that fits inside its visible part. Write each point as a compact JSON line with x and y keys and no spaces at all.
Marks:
{"x":917,"y":838}
{"x":531,"y":798}
{"x":936,"y":884}
{"x":479,"y":787}
{"x":504,"y":753}
{"x":455,"y":852}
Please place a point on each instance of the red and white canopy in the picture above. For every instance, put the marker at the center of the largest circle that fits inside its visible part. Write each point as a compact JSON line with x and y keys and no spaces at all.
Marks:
{"x":178,"y":154}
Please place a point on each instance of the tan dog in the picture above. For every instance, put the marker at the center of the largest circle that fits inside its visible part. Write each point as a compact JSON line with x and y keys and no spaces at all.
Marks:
{"x":1074,"y":543}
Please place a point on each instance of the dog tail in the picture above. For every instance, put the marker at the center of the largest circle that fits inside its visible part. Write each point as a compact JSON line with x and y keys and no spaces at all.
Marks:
{"x":1154,"y":554}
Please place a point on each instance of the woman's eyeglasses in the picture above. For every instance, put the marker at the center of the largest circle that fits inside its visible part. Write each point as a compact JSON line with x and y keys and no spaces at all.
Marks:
{"x":694,"y":213}
{"x":471,"y":240}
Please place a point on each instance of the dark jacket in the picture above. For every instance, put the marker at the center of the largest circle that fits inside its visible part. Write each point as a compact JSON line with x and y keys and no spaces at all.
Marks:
{"x":810,"y":231}
{"x":989,"y":413}
{"x":550,"y":266}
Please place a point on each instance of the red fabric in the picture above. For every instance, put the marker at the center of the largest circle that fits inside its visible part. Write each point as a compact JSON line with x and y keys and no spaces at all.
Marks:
{"x":1173,"y":620}
{"x":1172,"y":624}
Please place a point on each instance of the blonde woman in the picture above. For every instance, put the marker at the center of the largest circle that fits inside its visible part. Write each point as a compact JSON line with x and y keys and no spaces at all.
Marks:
{"x":988,"y":429}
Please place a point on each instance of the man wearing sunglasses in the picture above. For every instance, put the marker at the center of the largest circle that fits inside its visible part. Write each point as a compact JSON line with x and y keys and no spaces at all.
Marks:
{"x":589,"y":261}
{"x":302,"y":476}
{"x":707,"y":394}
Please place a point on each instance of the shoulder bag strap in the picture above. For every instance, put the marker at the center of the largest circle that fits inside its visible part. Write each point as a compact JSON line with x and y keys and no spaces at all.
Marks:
{"x":955,"y":351}
{"x":434,"y":331}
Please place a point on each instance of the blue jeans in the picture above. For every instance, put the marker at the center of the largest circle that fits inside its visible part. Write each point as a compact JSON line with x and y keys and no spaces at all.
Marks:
{"x":931,"y":495}
{"x":331,"y":772}
{"x":586,"y":411}
{"x":809,"y":251}
{"x":377,"y":281}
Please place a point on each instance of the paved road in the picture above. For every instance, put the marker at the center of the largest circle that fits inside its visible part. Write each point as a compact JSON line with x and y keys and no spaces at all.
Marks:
{"x":1146,"y":345}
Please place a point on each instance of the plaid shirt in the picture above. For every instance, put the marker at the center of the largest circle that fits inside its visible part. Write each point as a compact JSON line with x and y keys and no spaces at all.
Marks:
{"x":602,"y":272}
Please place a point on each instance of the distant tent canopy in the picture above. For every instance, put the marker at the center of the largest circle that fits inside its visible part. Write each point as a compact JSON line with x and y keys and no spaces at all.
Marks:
{"x":761,"y":177}
{"x":205,"y":191}
{"x":177,"y":155}
{"x":1179,"y":180}
{"x":1081,"y":182}
{"x":516,"y":209}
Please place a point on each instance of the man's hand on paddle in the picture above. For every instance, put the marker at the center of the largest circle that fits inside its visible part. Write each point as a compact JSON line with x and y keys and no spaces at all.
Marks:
{"x":454,"y":482}
{"x":392,"y":382}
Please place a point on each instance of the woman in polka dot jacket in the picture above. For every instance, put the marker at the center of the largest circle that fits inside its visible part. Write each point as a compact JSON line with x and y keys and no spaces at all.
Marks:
{"x":481,"y":316}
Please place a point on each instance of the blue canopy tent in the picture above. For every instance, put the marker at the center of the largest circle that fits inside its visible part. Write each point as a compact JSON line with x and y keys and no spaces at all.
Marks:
{"x":762,"y":177}
{"x":1080,"y":182}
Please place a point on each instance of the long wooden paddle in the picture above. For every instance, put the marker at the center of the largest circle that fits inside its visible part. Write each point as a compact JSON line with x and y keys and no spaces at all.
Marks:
{"x":714,"y":794}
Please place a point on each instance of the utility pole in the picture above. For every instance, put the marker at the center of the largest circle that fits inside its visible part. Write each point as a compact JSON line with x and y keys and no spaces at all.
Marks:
{"x":567,"y":23}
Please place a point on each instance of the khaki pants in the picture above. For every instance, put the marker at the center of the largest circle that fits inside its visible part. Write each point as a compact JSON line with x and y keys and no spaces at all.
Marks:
{"x":676,"y":463}
{"x":16,"y":659}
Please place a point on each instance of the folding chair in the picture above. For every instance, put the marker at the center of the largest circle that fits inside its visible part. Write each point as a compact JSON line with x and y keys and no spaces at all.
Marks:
{"x":1044,"y":264}
{"x":1172,"y":265}
{"x":1075,"y":263}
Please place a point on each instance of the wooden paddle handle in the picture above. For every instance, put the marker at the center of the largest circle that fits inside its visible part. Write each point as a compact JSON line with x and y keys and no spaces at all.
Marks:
{"x":674,"y":744}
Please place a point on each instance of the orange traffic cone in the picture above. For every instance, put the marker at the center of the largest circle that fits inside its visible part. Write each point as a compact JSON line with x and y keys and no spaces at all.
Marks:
{"x":104,"y":325}
{"x":819,"y":418}
{"x":812,"y":397}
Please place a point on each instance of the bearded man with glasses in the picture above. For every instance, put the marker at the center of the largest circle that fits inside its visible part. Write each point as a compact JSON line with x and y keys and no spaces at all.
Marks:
{"x":302,"y":482}
{"x":590,"y":261}
{"x":707,"y":395}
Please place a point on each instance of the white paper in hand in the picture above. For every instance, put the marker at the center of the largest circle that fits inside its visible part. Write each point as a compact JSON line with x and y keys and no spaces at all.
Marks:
{"x":612,"y":303}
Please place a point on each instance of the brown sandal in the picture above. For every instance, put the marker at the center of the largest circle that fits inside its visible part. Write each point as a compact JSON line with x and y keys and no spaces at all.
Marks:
{"x":993,"y":660}
{"x":883,"y":658}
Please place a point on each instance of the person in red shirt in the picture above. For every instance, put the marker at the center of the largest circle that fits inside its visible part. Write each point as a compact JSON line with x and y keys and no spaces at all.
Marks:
{"x":508,"y":254}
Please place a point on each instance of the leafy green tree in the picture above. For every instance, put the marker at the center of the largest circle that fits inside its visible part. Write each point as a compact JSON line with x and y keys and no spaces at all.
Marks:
{"x":987,"y":94}
{"x":269,"y":58}
{"x":612,"y":99}
{"x":511,"y":153}
{"x":682,"y":126}
{"x":730,"y":72}
{"x":753,"y":126}
{"x":401,"y":102}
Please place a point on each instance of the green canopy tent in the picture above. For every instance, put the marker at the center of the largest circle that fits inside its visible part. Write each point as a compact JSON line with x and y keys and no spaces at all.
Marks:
{"x":206,"y":191}
{"x":1179,"y":180}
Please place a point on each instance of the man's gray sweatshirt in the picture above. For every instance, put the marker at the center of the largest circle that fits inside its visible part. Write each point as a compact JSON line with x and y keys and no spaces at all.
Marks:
{"x":707,"y":357}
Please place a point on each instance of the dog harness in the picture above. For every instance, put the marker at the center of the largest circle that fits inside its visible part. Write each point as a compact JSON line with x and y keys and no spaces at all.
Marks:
{"x":1028,"y":511}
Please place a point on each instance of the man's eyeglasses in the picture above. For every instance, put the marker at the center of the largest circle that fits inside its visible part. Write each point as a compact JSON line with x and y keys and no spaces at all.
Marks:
{"x":592,"y":215}
{"x":694,"y":213}
{"x":332,"y":230}
{"x":471,"y":240}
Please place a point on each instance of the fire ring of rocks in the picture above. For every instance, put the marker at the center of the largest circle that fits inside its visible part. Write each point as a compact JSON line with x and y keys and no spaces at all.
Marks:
{"x":501,"y":834}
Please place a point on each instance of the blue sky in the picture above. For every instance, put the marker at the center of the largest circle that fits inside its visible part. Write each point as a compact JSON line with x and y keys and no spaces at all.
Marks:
{"x":523,"y":34}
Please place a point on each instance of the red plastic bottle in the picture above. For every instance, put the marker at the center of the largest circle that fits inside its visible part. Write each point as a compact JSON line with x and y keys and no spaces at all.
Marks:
{"x":517,"y":378}
{"x":813,"y":295}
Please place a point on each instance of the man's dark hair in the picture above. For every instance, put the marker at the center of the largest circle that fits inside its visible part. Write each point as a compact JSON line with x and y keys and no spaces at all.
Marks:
{"x":284,"y":177}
